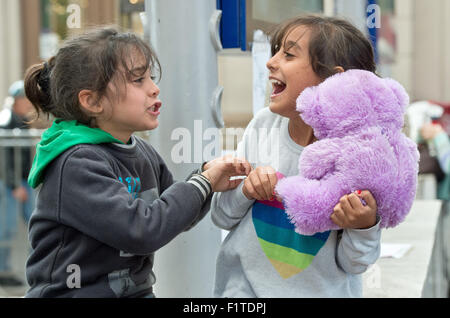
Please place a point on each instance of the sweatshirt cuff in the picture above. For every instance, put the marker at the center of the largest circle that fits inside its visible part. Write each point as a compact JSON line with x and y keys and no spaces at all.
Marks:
{"x":371,"y":233}
{"x":441,"y":139}
{"x":241,"y":199}
{"x":202,"y":184}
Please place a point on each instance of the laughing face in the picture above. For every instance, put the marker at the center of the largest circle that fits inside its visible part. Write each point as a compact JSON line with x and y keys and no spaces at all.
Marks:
{"x":290,"y":72}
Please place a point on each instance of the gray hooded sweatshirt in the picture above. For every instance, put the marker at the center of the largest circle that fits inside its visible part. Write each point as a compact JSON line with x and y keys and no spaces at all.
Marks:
{"x":101,"y":213}
{"x":263,"y":256}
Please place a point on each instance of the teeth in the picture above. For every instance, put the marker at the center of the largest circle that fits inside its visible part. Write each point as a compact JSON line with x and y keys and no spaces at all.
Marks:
{"x":276,"y":82}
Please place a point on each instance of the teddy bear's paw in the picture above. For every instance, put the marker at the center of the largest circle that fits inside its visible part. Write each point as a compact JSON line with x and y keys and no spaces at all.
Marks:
{"x":310,"y":225}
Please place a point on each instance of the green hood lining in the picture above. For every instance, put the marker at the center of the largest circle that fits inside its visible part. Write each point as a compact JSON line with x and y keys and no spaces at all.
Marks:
{"x":61,"y":136}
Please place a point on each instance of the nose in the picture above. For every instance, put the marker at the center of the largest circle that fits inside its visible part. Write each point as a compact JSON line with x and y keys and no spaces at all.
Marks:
{"x":153,"y":90}
{"x":272,"y":63}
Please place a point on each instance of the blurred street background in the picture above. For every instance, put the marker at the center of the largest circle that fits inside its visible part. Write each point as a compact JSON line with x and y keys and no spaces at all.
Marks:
{"x":412,"y":44}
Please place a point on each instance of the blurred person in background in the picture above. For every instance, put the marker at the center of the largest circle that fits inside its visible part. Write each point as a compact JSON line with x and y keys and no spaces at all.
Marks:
{"x":438,"y":276}
{"x":14,"y":196}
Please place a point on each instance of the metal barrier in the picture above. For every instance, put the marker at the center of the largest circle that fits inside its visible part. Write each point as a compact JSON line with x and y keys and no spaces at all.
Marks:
{"x":12,"y":144}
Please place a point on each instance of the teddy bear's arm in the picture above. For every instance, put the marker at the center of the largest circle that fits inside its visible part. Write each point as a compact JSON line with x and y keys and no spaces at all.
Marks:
{"x":308,"y":203}
{"x":319,"y":158}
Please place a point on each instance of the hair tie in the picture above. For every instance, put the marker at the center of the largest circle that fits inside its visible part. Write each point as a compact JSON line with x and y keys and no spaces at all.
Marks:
{"x":44,"y":78}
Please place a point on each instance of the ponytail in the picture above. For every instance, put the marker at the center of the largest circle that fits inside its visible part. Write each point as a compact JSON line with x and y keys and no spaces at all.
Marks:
{"x":37,"y":87}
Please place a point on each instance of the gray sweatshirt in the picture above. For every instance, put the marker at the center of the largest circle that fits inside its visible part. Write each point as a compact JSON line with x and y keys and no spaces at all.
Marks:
{"x":101,"y":213}
{"x":263,"y":256}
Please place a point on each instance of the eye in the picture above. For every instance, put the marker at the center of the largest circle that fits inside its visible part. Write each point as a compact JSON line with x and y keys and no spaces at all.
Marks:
{"x":139,"y":80}
{"x":287,"y":54}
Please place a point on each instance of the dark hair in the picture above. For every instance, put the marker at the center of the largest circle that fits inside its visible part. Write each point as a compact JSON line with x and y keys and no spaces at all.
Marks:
{"x":333,"y":42}
{"x":88,"y":61}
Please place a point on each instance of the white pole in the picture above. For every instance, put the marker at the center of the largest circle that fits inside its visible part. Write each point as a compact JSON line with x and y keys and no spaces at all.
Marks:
{"x":11,"y":51}
{"x":354,"y":11}
{"x":329,"y":8}
{"x":182,"y":33}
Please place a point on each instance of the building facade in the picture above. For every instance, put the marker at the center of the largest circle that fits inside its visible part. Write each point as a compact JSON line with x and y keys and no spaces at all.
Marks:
{"x":31,"y":30}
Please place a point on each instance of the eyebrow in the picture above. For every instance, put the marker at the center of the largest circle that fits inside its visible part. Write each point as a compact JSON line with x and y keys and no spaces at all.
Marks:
{"x":292,"y":44}
{"x":138,"y":69}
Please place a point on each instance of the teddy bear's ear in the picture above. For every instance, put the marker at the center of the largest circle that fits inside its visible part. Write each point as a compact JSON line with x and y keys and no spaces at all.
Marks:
{"x":399,"y":92}
{"x":390,"y":101}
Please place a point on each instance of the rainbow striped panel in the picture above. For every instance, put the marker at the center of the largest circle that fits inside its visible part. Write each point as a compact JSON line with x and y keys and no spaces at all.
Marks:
{"x":289,"y":252}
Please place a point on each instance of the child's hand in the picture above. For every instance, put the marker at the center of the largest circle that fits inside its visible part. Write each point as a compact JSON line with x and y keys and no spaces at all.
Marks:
{"x":219,"y":171}
{"x":20,"y":194}
{"x":429,"y":131}
{"x":350,"y":213}
{"x":260,"y":184}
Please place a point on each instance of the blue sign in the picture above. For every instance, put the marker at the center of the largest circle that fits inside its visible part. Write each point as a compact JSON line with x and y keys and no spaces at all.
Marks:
{"x":232,"y":24}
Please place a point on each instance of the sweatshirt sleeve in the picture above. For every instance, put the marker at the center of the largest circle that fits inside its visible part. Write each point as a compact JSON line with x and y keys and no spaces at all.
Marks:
{"x":166,"y":180}
{"x":206,"y":207}
{"x":442,"y":145}
{"x":93,"y":201}
{"x":228,"y":208}
{"x":358,"y":249}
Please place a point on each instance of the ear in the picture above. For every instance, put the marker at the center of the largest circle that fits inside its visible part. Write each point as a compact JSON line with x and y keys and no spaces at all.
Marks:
{"x":89,"y":102}
{"x":339,"y":69}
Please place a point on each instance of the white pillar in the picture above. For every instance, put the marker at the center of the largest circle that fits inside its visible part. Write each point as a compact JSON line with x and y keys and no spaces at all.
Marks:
{"x":354,"y":11}
{"x":11,"y":45}
{"x":180,"y":34}
{"x":431,"y":47}
{"x":329,"y":8}
{"x":402,"y":68}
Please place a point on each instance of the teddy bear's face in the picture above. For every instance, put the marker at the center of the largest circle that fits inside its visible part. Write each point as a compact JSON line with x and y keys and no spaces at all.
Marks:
{"x":348,"y":102}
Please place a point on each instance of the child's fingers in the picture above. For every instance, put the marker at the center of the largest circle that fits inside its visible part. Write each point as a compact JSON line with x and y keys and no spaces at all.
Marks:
{"x":369,"y":199}
{"x":236,"y":166}
{"x":338,"y":216}
{"x":269,"y":180}
{"x":234,"y":183}
{"x":260,"y":183}
{"x":355,"y":201}
{"x":228,"y":158}
{"x":248,"y":168}
{"x":264,"y":184}
{"x":243,"y":166}
{"x":232,"y":166}
{"x":345,"y":204}
{"x":254,"y":186}
{"x":273,"y":179}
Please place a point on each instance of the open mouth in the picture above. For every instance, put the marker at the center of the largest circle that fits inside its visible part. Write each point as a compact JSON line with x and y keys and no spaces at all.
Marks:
{"x":278,"y":87}
{"x":154,"y":109}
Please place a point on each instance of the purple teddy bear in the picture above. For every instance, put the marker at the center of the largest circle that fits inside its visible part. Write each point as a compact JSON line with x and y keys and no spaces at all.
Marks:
{"x":357,"y":118}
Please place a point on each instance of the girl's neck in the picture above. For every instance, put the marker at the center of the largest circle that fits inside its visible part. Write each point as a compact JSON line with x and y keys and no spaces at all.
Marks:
{"x":123,"y":136}
{"x":301,"y":133}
